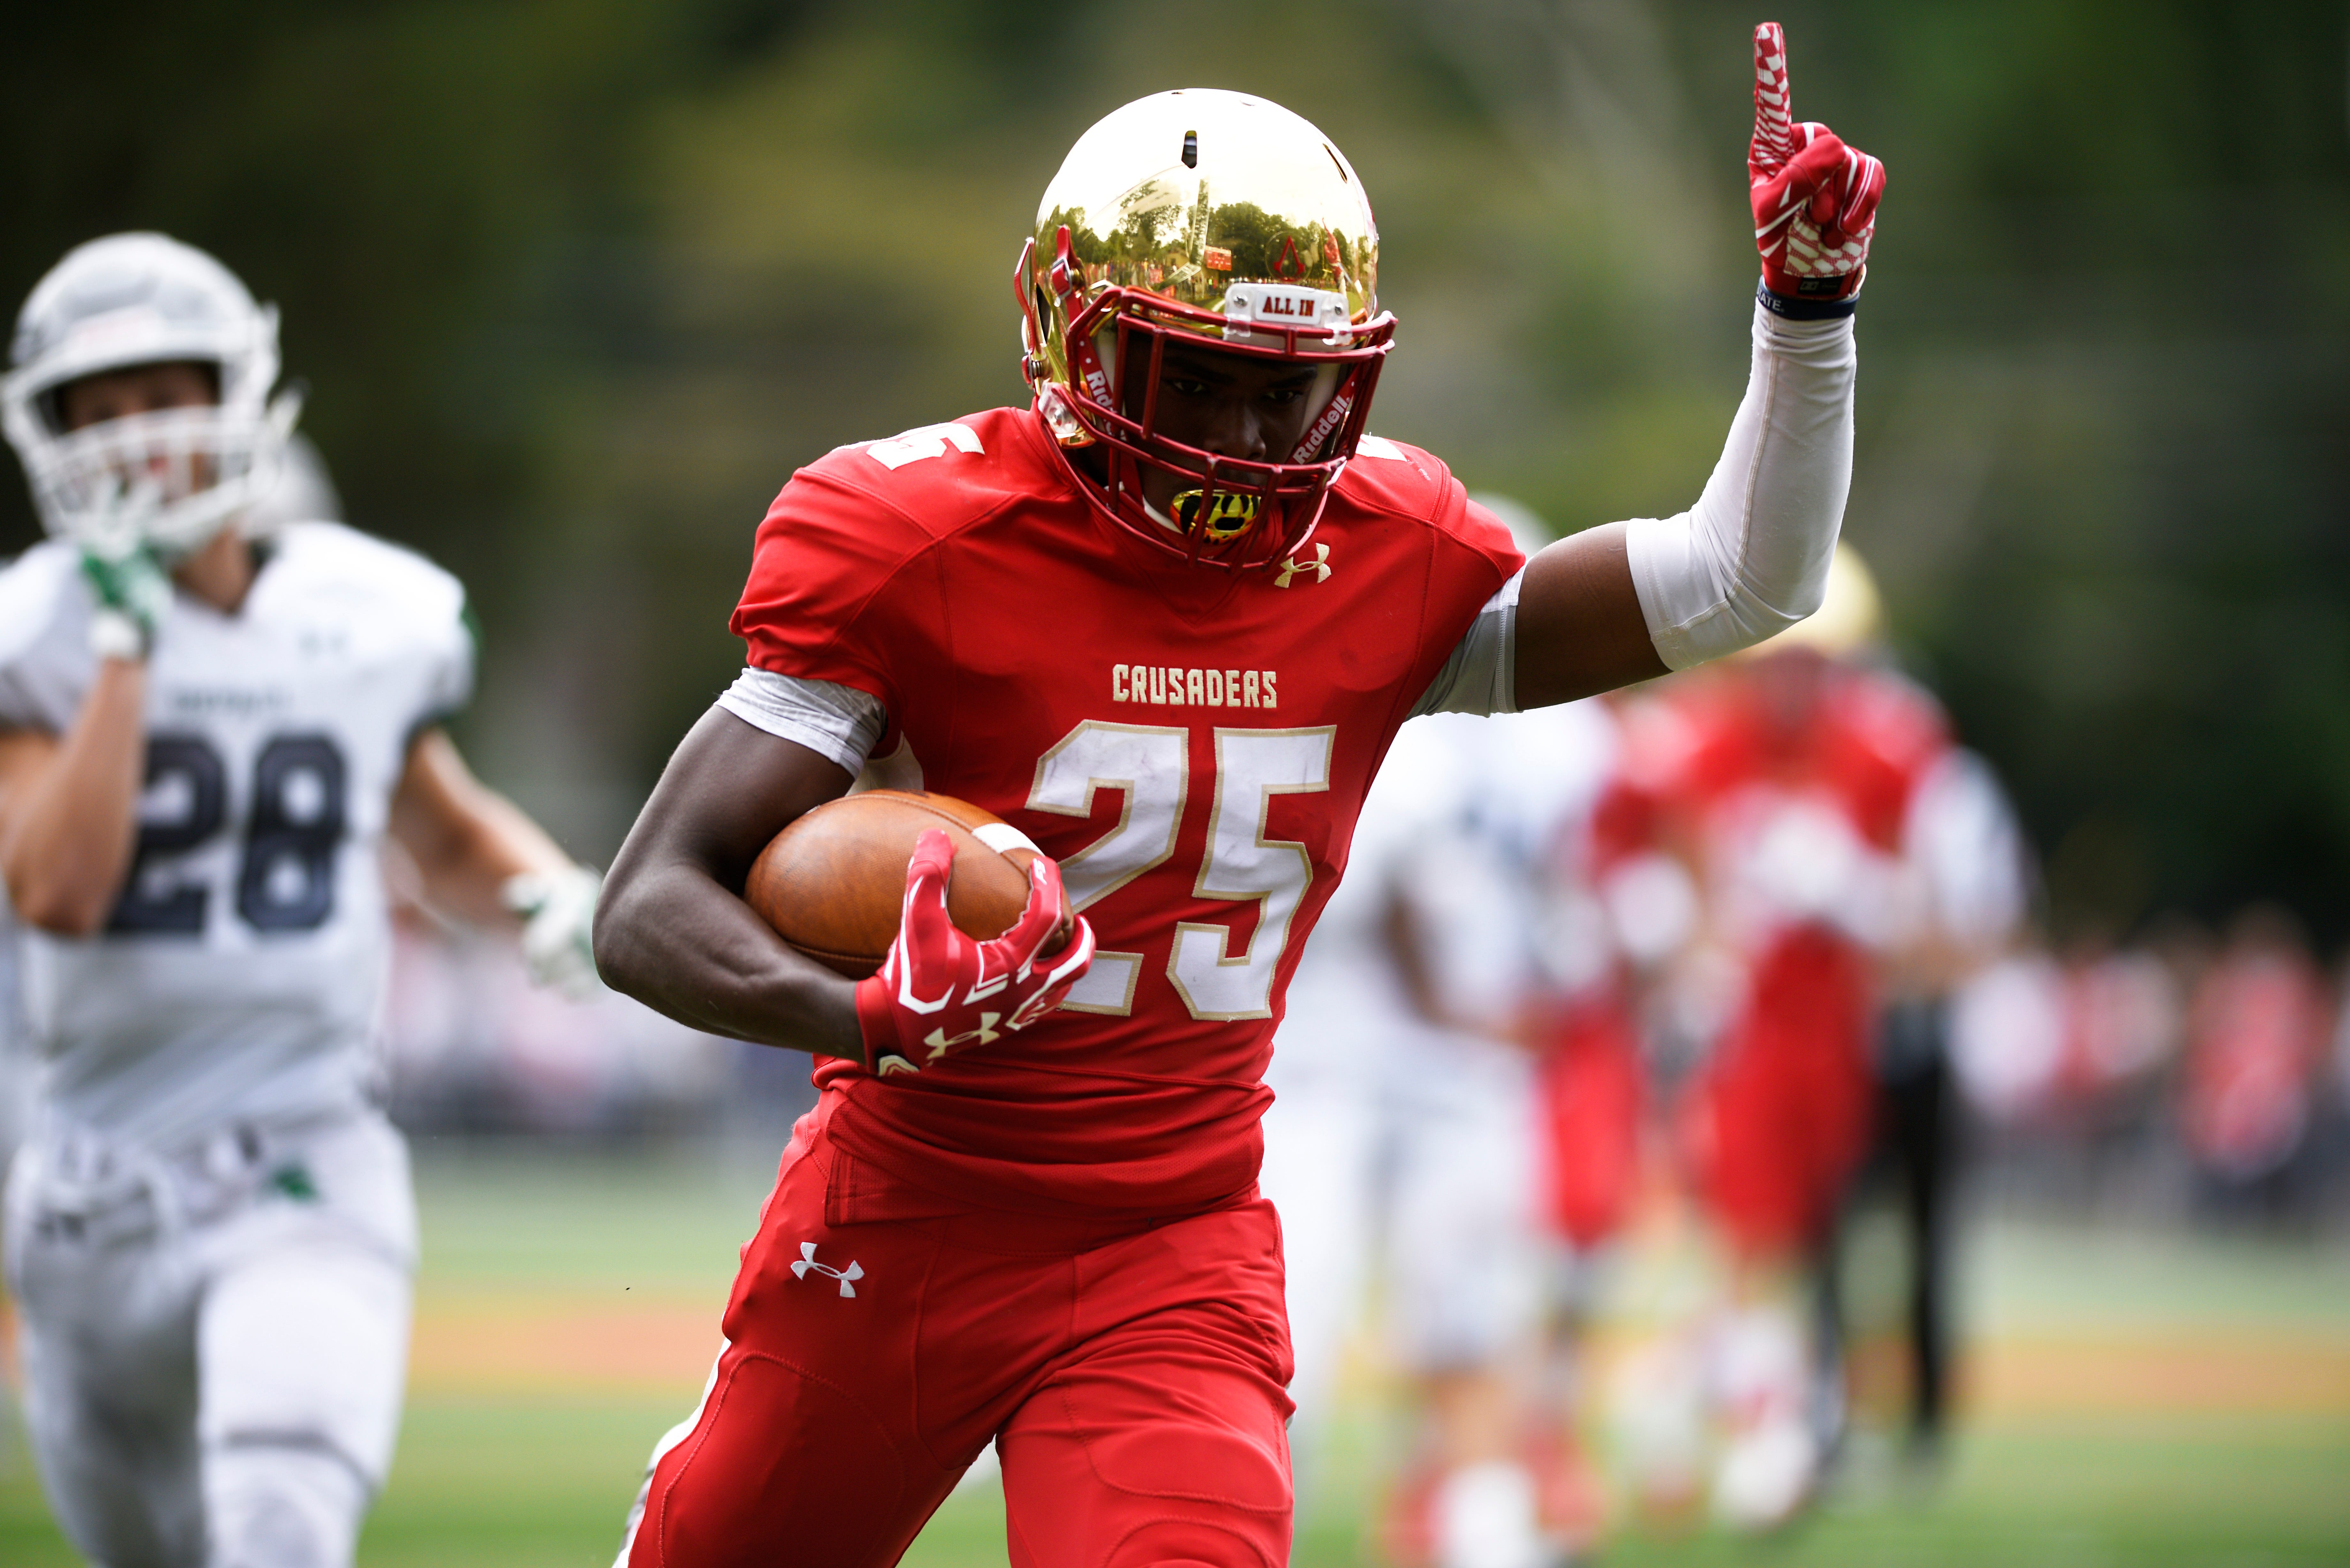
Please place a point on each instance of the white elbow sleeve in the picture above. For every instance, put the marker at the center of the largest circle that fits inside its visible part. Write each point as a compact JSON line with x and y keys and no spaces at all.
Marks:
{"x":1751,"y":559}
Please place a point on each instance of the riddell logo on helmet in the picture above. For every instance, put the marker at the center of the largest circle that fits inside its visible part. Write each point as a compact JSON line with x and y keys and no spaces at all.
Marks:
{"x":1173,"y":688}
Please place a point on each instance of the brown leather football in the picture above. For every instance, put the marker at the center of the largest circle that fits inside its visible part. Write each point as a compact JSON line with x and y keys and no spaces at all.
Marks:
{"x":834,"y":882}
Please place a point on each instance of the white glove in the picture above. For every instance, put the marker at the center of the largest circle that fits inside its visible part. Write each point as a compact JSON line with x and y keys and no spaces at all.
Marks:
{"x":558,"y":917}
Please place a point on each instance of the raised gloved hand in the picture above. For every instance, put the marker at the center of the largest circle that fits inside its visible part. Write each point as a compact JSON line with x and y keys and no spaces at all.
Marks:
{"x":132,"y":589}
{"x":558,"y":920}
{"x":1815,"y":198}
{"x":941,"y":991}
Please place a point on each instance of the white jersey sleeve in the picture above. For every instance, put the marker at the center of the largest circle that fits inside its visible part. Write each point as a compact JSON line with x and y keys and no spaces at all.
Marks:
{"x":837,"y":722}
{"x":44,"y":659}
{"x":240,"y":973}
{"x":1481,"y":675}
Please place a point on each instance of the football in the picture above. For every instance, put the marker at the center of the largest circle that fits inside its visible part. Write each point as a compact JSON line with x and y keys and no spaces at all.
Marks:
{"x":833,"y":883}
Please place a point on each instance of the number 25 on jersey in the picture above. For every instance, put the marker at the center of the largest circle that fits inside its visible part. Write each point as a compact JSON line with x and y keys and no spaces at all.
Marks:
{"x":1151,"y":765}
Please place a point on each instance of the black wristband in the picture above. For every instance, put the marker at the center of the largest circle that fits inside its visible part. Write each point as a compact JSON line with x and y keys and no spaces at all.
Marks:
{"x":1788,"y":308}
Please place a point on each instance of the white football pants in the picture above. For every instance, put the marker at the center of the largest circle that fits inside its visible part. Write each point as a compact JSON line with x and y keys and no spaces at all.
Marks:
{"x":1431,"y":1140}
{"x":214,"y":1345}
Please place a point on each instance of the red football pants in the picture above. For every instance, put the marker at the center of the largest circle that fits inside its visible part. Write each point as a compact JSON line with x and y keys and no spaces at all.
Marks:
{"x":1781,"y":1113}
{"x":1132,"y":1375}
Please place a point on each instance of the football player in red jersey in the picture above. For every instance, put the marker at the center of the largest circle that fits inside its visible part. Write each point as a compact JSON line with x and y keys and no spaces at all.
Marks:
{"x":1815,"y":863}
{"x":1165,"y":621}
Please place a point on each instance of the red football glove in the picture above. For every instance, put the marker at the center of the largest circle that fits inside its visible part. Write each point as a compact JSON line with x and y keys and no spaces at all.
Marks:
{"x":1815,"y":198}
{"x":941,"y":991}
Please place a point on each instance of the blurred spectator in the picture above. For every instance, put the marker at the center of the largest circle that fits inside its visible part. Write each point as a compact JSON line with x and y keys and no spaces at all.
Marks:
{"x":2256,"y":1034}
{"x":2007,"y":1036}
{"x":2122,"y":1028}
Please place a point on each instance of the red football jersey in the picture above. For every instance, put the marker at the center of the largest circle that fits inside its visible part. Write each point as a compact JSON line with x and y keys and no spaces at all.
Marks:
{"x":1781,"y":1114}
{"x":1192,"y":745}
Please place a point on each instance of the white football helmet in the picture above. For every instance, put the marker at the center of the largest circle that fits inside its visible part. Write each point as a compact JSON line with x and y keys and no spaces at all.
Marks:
{"x":175,"y":477}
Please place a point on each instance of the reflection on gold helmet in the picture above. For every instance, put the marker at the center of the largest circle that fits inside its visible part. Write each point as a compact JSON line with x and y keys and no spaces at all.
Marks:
{"x":1218,"y":216}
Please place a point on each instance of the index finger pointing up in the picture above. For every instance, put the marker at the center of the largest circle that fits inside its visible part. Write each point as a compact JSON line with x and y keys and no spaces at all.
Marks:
{"x":1775,"y":131}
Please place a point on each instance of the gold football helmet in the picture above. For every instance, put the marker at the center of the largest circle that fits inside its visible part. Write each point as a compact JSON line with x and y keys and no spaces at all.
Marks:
{"x":1224,"y":217}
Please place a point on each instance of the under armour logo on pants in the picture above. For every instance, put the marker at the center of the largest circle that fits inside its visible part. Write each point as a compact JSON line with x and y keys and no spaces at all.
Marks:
{"x":808,"y":1260}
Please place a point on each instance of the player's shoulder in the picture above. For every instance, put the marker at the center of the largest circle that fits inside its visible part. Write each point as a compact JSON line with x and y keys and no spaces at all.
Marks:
{"x":1396,"y":481}
{"x":41,"y":597}
{"x":337,"y":564}
{"x":930,"y":482}
{"x":1395,"y":476}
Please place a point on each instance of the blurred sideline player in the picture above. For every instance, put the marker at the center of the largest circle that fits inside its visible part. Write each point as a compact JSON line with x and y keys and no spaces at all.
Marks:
{"x":211,"y":716}
{"x":1165,"y":621}
{"x":1405,"y":1117}
{"x":1781,"y":792}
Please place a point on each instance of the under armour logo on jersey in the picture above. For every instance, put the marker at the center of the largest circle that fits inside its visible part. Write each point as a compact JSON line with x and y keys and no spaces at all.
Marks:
{"x":808,"y":1260}
{"x":940,"y":1041}
{"x":1319,"y":565}
{"x":924,"y":440}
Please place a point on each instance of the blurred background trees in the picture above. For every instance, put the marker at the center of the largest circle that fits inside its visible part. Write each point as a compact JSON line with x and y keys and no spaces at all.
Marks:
{"x":576,"y":284}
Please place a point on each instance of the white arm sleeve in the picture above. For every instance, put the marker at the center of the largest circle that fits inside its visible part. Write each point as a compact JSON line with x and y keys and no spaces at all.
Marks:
{"x":1481,"y":675}
{"x":837,"y":722}
{"x":1751,"y":559}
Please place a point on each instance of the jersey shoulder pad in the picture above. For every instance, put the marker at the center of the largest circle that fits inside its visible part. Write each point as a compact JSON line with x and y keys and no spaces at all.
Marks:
{"x":39,"y":590}
{"x":820,"y":599}
{"x":1398,"y":479}
{"x":937,"y":479}
{"x":44,"y":658}
{"x":1392,"y":476}
{"x":374,"y":576}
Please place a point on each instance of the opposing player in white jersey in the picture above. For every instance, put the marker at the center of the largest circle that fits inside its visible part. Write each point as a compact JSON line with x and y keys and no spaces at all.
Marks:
{"x":210,"y":720}
{"x":1406,"y":1112}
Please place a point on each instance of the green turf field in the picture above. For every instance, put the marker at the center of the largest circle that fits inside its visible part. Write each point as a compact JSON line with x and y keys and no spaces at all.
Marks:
{"x":2138,"y":1399}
